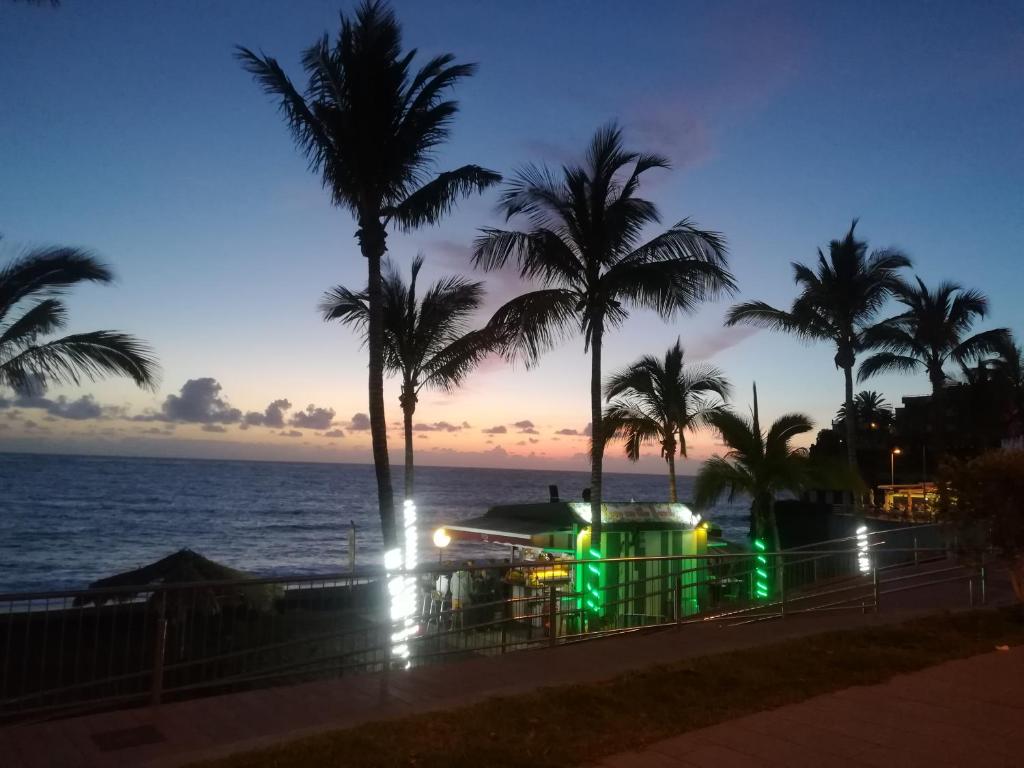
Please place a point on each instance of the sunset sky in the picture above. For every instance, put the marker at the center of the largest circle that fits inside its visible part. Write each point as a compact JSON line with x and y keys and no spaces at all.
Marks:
{"x":128,"y":128}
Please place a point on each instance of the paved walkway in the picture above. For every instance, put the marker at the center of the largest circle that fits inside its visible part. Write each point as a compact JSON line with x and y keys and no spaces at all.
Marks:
{"x":961,"y":713}
{"x":179,"y":733}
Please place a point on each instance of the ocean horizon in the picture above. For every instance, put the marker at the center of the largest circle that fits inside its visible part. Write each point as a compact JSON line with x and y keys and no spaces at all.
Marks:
{"x":68,"y":520}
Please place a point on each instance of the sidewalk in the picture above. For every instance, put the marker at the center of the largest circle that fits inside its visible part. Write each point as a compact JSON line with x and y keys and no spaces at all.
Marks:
{"x":178,"y":733}
{"x":962,"y":713}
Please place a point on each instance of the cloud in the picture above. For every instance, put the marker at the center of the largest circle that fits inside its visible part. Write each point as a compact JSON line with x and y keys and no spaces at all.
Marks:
{"x":719,"y":340}
{"x":199,"y":402}
{"x":423,"y":437}
{"x":534,"y":440}
{"x":290,"y":433}
{"x":521,"y":442}
{"x":158,"y":431}
{"x":466,"y":425}
{"x":526,"y":427}
{"x":214,"y":428}
{"x":437,"y":426}
{"x":498,"y":430}
{"x":334,"y":433}
{"x":587,"y":430}
{"x":34,"y":396}
{"x":567,"y":431}
{"x":360,"y":422}
{"x":313,"y":418}
{"x":272,"y":416}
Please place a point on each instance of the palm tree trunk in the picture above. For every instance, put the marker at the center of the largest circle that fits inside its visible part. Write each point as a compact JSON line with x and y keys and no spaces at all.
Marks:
{"x":672,"y":478}
{"x":408,"y":409}
{"x":596,"y":434}
{"x":938,"y":380}
{"x":373,"y":243}
{"x":850,"y":422}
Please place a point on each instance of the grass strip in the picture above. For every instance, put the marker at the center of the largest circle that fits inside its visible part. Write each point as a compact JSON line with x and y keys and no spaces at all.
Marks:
{"x":578,"y":724}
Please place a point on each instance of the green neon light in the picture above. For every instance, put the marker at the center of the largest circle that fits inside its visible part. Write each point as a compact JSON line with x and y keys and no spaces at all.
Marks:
{"x":758,"y":544}
{"x":594,"y":569}
{"x":595,"y":553}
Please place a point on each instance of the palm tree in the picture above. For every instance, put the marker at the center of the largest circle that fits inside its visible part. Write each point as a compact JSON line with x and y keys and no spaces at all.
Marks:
{"x":758,"y":464}
{"x":369,"y":123}
{"x":426,"y":342}
{"x":31,"y":308}
{"x":838,"y":301}
{"x":584,"y":245}
{"x":659,"y":400}
{"x":870,"y":409}
{"x":930,"y":334}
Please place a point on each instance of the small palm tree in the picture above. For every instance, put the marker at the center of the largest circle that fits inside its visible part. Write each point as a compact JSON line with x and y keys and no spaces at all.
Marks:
{"x":584,"y":245}
{"x":838,"y":302}
{"x":870,"y":409}
{"x":930,"y":334}
{"x":759,"y":464}
{"x":369,"y":123}
{"x":31,"y":308}
{"x":426,"y":342}
{"x":659,"y":400}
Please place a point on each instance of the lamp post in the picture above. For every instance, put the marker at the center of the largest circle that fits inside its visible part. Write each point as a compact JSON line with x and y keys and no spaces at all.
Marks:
{"x":892,"y":465}
{"x":441,"y":540}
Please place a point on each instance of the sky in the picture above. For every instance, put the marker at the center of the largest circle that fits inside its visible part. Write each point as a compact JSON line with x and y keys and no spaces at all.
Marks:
{"x":128,"y":128}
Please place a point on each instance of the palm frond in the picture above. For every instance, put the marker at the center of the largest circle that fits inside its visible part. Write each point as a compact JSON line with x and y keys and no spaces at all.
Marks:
{"x":349,"y":307}
{"x":45,"y":317}
{"x":888,"y":362}
{"x":80,"y":356}
{"x":437,"y":197}
{"x":48,"y":272}
{"x":532,"y":323}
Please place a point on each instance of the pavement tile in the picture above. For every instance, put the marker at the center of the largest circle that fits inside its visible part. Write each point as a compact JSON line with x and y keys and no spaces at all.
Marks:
{"x":645,"y":759}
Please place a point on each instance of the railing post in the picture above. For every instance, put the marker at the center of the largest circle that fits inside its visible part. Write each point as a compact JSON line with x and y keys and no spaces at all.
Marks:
{"x":677,"y":598}
{"x":981,"y":580}
{"x":970,"y":592}
{"x":916,"y":561}
{"x":552,"y":614}
{"x":156,"y":688}
{"x":782,"y":587}
{"x":875,"y":586}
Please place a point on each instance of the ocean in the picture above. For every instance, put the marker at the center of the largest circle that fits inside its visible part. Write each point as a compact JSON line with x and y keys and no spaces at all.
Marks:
{"x":66,"y":521}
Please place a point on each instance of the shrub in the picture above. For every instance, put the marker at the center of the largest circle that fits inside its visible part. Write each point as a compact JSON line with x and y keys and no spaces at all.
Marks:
{"x":984,"y":499}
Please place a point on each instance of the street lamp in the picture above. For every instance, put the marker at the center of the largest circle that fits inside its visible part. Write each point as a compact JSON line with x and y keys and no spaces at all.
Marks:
{"x":892,"y":465}
{"x":441,"y":540}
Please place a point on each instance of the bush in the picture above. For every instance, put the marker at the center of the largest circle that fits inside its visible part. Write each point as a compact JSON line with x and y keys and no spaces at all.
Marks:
{"x":984,"y":499}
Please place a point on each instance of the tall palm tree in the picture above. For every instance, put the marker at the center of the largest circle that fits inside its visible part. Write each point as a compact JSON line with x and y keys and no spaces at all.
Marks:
{"x":659,"y":400}
{"x":759,"y":464}
{"x":427,"y":341}
{"x":928,"y":335}
{"x":31,"y":308}
{"x":838,"y":301}
{"x":369,"y":124}
{"x":584,"y":245}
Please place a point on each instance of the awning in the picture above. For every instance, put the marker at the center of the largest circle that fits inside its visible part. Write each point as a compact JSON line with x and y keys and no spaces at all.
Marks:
{"x":500,"y":530}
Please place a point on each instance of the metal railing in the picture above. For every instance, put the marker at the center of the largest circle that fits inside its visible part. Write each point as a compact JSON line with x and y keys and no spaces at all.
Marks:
{"x":69,"y":651}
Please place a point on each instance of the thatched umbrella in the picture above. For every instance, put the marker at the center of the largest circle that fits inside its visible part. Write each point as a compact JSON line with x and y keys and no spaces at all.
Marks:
{"x":185,"y":567}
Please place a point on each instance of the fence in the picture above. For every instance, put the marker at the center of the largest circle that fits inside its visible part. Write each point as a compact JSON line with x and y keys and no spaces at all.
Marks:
{"x":65,"y":652}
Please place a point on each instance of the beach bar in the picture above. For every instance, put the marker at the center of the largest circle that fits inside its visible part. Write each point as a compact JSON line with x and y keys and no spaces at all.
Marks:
{"x":617,"y":592}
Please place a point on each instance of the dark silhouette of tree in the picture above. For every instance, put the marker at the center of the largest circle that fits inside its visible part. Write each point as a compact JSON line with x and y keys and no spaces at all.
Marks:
{"x":584,"y":245}
{"x":369,"y":123}
{"x":31,"y":308}
{"x":759,"y":464}
{"x":838,"y":301}
{"x":658,"y":401}
{"x":427,"y":342}
{"x":870,"y":411}
{"x":928,"y":335}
